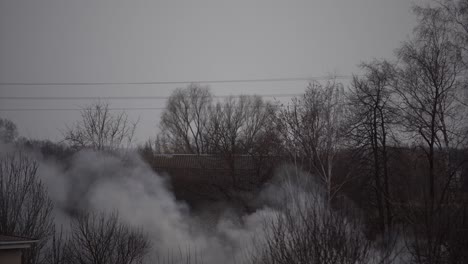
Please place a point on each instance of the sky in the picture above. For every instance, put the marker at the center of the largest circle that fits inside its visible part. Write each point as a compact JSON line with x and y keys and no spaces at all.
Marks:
{"x":57,"y":41}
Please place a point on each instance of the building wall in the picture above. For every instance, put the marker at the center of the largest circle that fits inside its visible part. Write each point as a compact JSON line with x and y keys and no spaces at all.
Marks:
{"x":10,"y":256}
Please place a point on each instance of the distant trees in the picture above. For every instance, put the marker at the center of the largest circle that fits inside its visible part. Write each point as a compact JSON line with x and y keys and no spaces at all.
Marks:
{"x":185,"y":120}
{"x":238,"y":125}
{"x":193,"y":124}
{"x":8,"y":131}
{"x":100,"y":129}
{"x":47,"y":148}
{"x":243,"y":126}
{"x":25,"y":208}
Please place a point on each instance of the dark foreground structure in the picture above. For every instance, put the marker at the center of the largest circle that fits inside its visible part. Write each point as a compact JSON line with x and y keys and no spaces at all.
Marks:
{"x":12,"y":247}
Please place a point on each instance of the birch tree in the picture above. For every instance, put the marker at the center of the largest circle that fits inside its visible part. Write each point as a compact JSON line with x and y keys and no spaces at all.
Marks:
{"x":311,"y":127}
{"x":429,"y":81}
{"x":372,"y":118}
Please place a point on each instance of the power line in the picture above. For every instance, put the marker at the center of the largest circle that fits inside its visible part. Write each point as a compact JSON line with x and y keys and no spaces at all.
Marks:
{"x":289,"y":79}
{"x":340,"y":77}
{"x":124,"y":97}
{"x":80,"y":109}
{"x":77,"y":109}
{"x":123,"y":108}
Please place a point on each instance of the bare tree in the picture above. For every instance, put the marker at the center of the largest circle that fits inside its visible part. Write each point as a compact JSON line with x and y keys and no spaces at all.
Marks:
{"x":311,"y":128}
{"x":55,"y":252}
{"x":25,"y":208}
{"x":193,"y":124}
{"x":185,"y":119}
{"x":100,"y":129}
{"x":236,"y":124}
{"x":427,"y":86}
{"x":242,"y":126}
{"x":429,"y":81}
{"x":160,"y":144}
{"x":306,"y":230}
{"x":8,"y":131}
{"x":455,"y":14}
{"x":103,"y":239}
{"x":371,"y":122}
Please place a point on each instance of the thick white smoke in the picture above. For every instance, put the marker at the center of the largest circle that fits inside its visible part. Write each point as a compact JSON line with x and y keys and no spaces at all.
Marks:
{"x":101,"y":182}
{"x":106,"y":183}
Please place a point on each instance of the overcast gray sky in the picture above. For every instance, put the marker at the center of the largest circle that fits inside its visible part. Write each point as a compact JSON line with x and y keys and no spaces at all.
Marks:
{"x":145,"y":41}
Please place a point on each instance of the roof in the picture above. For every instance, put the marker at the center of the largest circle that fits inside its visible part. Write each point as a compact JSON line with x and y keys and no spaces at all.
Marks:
{"x":209,"y":177}
{"x":189,"y":161}
{"x":15,"y":242}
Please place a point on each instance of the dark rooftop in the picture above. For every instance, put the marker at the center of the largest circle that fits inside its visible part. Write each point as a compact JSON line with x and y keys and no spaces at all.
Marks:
{"x":15,"y":239}
{"x":189,"y":161}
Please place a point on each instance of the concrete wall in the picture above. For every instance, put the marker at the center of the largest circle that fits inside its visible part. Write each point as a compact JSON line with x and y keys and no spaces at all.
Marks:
{"x":10,"y":256}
